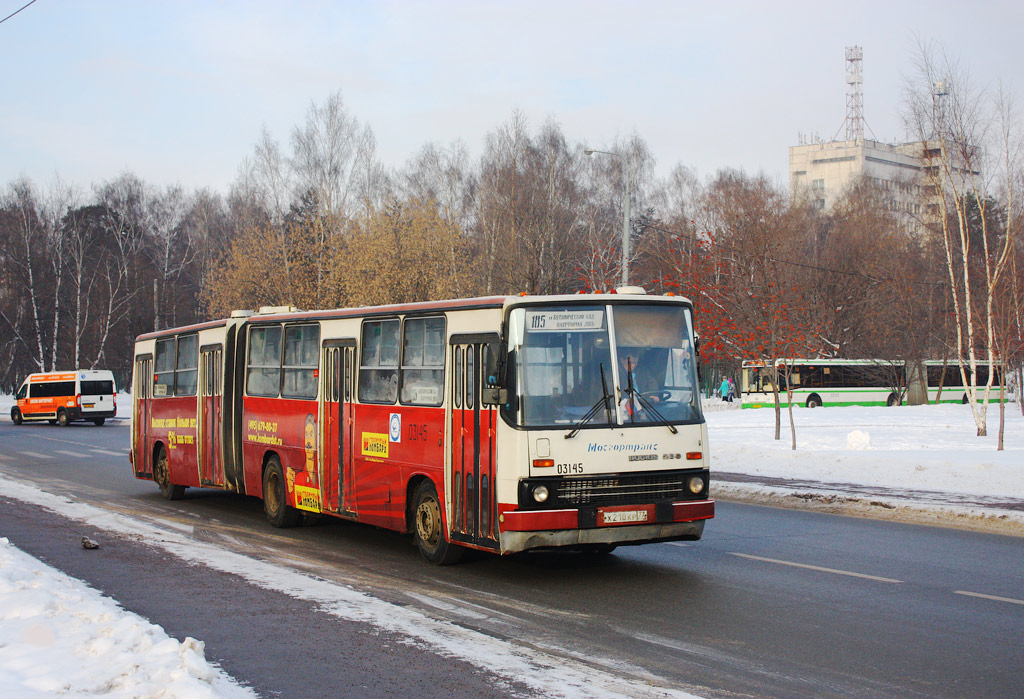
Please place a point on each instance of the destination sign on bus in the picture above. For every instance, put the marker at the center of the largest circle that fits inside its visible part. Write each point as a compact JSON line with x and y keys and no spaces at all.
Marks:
{"x":563,"y":321}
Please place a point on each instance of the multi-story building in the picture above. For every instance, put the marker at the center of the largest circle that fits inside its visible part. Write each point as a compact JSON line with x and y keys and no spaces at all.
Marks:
{"x":823,"y":171}
{"x":909,"y":174}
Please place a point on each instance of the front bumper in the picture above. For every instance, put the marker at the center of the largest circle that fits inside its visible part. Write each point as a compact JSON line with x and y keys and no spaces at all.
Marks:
{"x":668,"y":521}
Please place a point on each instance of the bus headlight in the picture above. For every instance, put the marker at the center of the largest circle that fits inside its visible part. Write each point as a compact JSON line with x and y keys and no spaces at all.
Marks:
{"x":695,"y":484}
{"x":540,"y":493}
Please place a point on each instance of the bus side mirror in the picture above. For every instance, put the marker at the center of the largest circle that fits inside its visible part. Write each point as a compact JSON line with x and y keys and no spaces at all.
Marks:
{"x":494,"y":396}
{"x":494,"y":364}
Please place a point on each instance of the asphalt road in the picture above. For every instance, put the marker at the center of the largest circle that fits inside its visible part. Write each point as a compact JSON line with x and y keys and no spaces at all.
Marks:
{"x":771,"y":602}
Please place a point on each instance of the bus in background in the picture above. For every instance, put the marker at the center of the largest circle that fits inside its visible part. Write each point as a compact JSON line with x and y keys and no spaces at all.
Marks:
{"x":946,"y":385}
{"x":63,"y":397}
{"x":839,"y":382}
{"x":501,"y":424}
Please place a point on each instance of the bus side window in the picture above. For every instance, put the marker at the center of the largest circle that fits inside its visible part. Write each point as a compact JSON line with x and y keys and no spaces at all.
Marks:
{"x":423,"y":361}
{"x":378,"y":371}
{"x":187,"y":366}
{"x":301,"y":358}
{"x":457,"y":393}
{"x":163,"y":369}
{"x":470,"y":379}
{"x":264,"y":375}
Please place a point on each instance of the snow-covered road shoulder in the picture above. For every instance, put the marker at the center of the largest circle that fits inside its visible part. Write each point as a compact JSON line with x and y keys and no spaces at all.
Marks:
{"x":60,"y":637}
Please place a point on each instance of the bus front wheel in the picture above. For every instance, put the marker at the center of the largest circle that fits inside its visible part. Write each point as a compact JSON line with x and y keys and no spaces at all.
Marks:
{"x":814,"y":401}
{"x":16,"y":417}
{"x":428,"y":528}
{"x":62,"y":418}
{"x":162,"y":476}
{"x":275,"y":499}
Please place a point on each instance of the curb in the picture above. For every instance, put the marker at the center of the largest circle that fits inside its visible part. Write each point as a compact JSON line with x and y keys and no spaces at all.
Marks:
{"x":1006,"y":520}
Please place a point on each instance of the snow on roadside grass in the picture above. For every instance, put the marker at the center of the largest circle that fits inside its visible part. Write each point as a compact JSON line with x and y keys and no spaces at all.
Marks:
{"x":59,"y":636}
{"x":927,"y":447}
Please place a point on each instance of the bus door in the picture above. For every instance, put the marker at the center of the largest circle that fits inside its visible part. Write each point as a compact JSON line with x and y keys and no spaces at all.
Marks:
{"x":336,"y":431}
{"x":473,"y":497}
{"x":211,"y":416}
{"x":141,"y":392}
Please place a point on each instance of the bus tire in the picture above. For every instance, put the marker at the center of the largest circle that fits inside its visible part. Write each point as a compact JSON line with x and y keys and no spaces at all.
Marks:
{"x":428,"y":528}
{"x":814,"y":401}
{"x":275,"y":498}
{"x":892,"y":400}
{"x":162,"y":476}
{"x":965,"y":400}
{"x":16,"y":417}
{"x":99,"y":421}
{"x":62,"y":418}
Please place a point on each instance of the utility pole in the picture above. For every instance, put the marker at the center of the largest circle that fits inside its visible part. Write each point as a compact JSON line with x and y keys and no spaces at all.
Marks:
{"x":627,"y":193}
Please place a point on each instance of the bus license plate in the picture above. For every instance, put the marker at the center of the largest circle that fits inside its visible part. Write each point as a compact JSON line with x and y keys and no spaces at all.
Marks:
{"x":622,"y":516}
{"x":89,"y":405}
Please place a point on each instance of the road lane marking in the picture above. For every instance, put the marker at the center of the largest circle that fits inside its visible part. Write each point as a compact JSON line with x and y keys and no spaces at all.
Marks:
{"x":35,"y":455}
{"x":77,"y":454}
{"x":991,"y":597}
{"x":817,"y":568}
{"x":111,"y":453}
{"x":677,"y":543}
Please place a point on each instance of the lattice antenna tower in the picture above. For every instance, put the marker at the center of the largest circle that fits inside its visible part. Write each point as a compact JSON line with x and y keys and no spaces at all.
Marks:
{"x":939,"y":95}
{"x":854,"y":93}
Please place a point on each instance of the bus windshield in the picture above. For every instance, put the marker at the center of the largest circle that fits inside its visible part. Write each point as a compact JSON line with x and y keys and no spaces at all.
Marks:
{"x":565,"y":361}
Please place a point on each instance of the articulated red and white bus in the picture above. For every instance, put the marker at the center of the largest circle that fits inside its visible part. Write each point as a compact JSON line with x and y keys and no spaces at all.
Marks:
{"x":502,"y":423}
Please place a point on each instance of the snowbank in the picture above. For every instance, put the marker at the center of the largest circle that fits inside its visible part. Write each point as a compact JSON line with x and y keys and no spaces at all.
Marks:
{"x":58,"y":636}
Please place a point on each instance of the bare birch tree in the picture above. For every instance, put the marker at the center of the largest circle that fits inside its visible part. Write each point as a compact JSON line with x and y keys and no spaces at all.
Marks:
{"x":960,"y":128}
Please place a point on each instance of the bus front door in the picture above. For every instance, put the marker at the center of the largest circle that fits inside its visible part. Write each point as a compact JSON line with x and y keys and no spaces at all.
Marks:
{"x":339,"y":369}
{"x":473,"y":497}
{"x":211,"y":415}
{"x":141,"y":392}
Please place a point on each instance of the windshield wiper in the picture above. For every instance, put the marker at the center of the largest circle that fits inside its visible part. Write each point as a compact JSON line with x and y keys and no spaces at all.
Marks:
{"x":605,"y":400}
{"x":633,"y":394}
{"x":659,"y":419}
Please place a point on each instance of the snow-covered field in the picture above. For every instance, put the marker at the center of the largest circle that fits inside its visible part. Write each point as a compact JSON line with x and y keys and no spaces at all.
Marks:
{"x":886,"y":452}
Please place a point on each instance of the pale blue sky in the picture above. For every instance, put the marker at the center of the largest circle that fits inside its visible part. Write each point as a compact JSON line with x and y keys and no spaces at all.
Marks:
{"x":178,"y":91}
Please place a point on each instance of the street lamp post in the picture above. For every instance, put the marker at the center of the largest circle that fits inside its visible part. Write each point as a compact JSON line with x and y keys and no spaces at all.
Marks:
{"x":626,"y":197}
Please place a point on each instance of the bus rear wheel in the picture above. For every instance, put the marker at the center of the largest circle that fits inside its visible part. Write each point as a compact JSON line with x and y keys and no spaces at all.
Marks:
{"x":62,"y":418}
{"x":16,"y":417}
{"x":162,"y":476}
{"x":428,"y":528}
{"x":814,"y":401}
{"x":275,"y":499}
{"x":99,"y":421}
